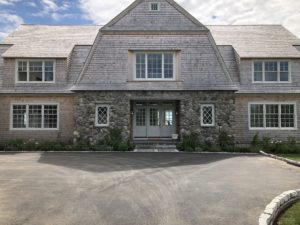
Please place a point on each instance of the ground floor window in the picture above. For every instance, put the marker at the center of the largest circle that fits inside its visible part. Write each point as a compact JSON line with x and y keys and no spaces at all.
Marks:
{"x":272,"y":115}
{"x":207,"y":115}
{"x":102,"y":116}
{"x":34,"y":116}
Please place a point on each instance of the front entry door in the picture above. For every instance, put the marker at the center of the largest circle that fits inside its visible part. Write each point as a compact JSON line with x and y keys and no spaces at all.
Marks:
{"x":154,"y":120}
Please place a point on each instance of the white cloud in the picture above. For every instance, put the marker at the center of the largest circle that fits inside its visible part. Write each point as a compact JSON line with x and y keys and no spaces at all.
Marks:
{"x":285,"y":12}
{"x":8,"y":2}
{"x":100,"y":12}
{"x":32,"y":4}
{"x":54,"y":9}
{"x":8,"y":23}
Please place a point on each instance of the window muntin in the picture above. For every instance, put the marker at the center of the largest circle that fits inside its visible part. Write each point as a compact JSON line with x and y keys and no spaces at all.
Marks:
{"x":258,"y":71}
{"x":19,"y":116}
{"x":154,"y":6}
{"x":271,"y":71}
{"x":34,"y":116}
{"x":49,"y":71}
{"x":140,"y":117}
{"x":22,"y":71}
{"x":154,"y":66}
{"x":102,"y":116}
{"x":168,"y":117}
{"x":272,"y":116}
{"x":141,"y":66}
{"x":284,"y":71}
{"x":257,"y":115}
{"x":207,"y":115}
{"x":35,"y":71}
{"x":154,"y":117}
{"x":287,"y":116}
{"x":50,"y":116}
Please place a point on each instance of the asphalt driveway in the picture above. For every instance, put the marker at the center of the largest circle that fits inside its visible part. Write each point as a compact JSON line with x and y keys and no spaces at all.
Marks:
{"x":139,"y":188}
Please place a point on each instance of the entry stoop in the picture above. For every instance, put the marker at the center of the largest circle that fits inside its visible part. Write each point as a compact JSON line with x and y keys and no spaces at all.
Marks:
{"x":155,"y":147}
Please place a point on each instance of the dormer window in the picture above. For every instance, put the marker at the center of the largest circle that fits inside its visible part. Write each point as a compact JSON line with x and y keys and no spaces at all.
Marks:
{"x":155,"y":66}
{"x":270,"y":71}
{"x":154,"y":6}
{"x":35,"y":71}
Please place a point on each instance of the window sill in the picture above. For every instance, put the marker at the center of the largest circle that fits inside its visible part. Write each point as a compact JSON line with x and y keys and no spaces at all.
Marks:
{"x":33,"y":129}
{"x":137,"y":81}
{"x":35,"y":82}
{"x":272,"y":129}
{"x":271,"y":82}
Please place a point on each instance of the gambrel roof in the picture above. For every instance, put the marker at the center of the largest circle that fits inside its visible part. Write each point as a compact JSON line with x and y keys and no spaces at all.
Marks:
{"x":170,"y":17}
{"x":43,"y":41}
{"x":257,"y":41}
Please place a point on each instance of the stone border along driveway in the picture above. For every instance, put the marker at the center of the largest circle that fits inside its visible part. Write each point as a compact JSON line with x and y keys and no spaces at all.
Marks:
{"x":277,"y":206}
{"x":289,"y":161}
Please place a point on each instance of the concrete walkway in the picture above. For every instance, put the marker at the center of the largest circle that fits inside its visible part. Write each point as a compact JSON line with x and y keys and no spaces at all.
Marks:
{"x":139,"y":188}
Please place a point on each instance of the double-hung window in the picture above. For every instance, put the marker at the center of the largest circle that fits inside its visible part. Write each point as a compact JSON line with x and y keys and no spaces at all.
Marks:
{"x":102,"y":115}
{"x":207,"y":115}
{"x":271,"y":71}
{"x":155,"y":66}
{"x":35,"y":71}
{"x":34,"y":116}
{"x":272,"y":116}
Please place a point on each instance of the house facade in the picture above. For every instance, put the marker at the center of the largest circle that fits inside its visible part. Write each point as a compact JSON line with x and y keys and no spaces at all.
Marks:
{"x":153,"y":71}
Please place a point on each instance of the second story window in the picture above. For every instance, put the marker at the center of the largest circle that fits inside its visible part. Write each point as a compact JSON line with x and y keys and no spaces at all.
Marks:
{"x":154,"y":66}
{"x":35,"y":71}
{"x":271,"y":71}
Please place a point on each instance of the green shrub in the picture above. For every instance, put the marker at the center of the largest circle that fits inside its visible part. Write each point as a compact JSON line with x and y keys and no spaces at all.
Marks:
{"x":123,"y":147}
{"x":189,"y":142}
{"x":101,"y":146}
{"x":114,"y":138}
{"x":2,"y":148}
{"x":226,"y":141}
{"x":14,"y":145}
{"x":289,"y":146}
{"x":131,"y":145}
{"x":255,"y":141}
{"x":82,"y":145}
{"x":31,"y":146}
{"x":51,"y":146}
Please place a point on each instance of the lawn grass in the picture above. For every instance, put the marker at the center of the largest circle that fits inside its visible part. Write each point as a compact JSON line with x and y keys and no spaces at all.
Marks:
{"x":291,"y":216}
{"x":295,"y":157}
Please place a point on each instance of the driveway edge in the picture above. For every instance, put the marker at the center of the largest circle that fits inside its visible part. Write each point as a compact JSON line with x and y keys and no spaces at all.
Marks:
{"x":289,"y":161}
{"x":277,"y":206}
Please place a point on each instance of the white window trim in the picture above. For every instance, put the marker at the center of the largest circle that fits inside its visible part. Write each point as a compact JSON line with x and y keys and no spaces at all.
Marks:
{"x":158,"y":6}
{"x":264,"y":103}
{"x":278,"y":72}
{"x":146,"y":66}
{"x":96,"y":115}
{"x":27,"y":114}
{"x":34,"y":60}
{"x":213,"y":115}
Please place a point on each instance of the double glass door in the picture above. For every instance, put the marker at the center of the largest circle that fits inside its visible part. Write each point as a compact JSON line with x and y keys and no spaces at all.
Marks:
{"x":154,"y":120}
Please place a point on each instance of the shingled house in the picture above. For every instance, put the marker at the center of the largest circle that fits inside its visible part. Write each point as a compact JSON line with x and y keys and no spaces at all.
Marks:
{"x":153,"y":71}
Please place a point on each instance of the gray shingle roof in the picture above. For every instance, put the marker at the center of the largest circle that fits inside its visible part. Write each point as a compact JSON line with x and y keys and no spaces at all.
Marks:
{"x":43,"y":41}
{"x":257,"y":41}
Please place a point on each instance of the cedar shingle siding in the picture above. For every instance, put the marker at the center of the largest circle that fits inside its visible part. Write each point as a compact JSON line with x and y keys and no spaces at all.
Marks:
{"x":95,"y":65}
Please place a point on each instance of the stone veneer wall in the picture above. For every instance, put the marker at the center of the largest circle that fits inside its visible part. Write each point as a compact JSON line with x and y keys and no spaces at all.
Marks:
{"x":120,"y":114}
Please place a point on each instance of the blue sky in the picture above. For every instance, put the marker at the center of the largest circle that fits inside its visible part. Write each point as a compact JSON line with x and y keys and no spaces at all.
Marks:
{"x":16,"y":12}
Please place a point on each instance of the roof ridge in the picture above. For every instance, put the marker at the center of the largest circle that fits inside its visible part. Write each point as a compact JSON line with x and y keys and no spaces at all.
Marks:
{"x":63,"y":25}
{"x":240,"y":25}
